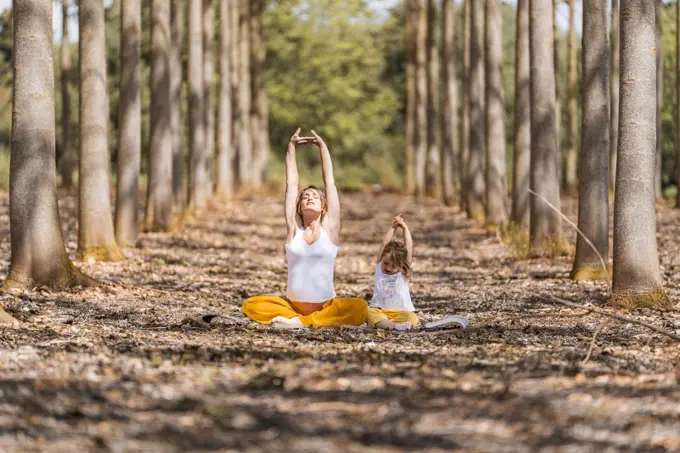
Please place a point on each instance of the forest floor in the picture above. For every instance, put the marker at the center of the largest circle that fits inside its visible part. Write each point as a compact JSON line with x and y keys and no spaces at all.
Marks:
{"x":132,"y":367}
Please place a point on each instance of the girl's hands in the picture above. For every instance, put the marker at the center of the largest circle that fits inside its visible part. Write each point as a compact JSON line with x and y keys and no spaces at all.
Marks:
{"x":399,"y":222}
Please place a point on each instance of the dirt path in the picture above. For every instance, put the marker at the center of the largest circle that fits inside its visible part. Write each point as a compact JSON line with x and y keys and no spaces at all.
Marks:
{"x":132,"y":368}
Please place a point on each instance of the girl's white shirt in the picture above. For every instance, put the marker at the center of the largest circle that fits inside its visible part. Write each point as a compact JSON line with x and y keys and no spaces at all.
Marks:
{"x":311,"y":268}
{"x":391,"y":291}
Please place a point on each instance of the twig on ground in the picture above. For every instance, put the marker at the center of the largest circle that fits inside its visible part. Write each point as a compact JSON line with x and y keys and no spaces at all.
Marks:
{"x":592,"y":344}
{"x":616,"y":316}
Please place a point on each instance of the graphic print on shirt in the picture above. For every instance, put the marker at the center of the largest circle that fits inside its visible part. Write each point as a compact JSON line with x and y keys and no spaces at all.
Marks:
{"x":390,"y":285}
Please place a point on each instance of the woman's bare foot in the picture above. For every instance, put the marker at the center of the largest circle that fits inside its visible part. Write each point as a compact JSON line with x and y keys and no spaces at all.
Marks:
{"x":7,"y":320}
{"x":389,"y":325}
{"x":287,"y":323}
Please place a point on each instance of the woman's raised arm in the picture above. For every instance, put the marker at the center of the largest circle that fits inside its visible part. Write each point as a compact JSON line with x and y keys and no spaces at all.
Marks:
{"x":291,"y":187}
{"x":332,"y":220}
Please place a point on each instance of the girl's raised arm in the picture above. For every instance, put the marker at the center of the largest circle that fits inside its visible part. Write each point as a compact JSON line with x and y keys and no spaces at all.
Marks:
{"x":332,"y":220}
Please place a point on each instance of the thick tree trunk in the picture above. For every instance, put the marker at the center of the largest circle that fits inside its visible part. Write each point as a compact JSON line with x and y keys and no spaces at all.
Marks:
{"x":475,"y":174}
{"x":432,"y":166}
{"x":593,"y":198}
{"x":614,"y":110}
{"x":245,"y":140}
{"x":558,"y":102}
{"x":659,"y":98}
{"x":235,"y":109}
{"x":96,"y":238}
{"x":130,"y":115}
{"x":421,"y":98}
{"x":208,"y":89}
{"x":259,"y":108}
{"x":465,"y":107}
{"x":411,"y":144}
{"x":449,"y":116}
{"x":637,"y":277}
{"x":571,"y":177}
{"x":225,"y":177}
{"x":197,"y":172}
{"x":38,"y":254}
{"x":496,"y":192}
{"x":67,"y":156}
{"x":522,"y":139}
{"x":158,"y":214}
{"x":176,"y":78}
{"x":545,"y":227}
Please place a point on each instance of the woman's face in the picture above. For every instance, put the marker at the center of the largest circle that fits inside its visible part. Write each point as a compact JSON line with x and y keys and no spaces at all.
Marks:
{"x":310,"y":202}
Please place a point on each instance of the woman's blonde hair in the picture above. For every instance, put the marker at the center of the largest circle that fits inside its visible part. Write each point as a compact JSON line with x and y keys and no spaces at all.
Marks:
{"x":322,"y":198}
{"x":399,"y":256}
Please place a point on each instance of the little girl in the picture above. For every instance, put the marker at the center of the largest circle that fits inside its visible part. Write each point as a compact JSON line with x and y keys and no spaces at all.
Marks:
{"x":391,"y":306}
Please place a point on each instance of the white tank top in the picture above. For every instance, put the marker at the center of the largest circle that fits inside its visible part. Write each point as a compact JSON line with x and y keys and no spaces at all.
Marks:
{"x":391,"y":291}
{"x":310,"y":268}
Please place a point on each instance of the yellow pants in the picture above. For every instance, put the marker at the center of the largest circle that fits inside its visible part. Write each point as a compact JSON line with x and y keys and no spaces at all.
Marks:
{"x":375,"y":315}
{"x":333,"y":313}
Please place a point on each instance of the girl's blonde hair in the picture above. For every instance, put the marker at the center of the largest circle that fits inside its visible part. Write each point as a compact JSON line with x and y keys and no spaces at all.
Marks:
{"x":399,"y":256}
{"x":322,"y":197}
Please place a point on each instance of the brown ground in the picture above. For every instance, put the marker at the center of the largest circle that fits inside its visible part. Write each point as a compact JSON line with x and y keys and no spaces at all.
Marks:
{"x":131,"y":367}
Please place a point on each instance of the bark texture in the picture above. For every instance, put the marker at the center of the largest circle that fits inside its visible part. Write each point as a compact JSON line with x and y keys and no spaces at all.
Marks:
{"x":176,"y":79}
{"x":637,"y":278}
{"x":475,"y":173}
{"x":571,"y":177}
{"x":130,"y":117}
{"x":545,"y":227}
{"x":245,"y":139}
{"x":433,"y":164}
{"x":411,"y":143}
{"x":496,"y":205}
{"x":225,"y":177}
{"x":67,"y":159}
{"x":421,"y":97}
{"x":659,"y":97}
{"x":449,"y":116}
{"x":208,"y":90}
{"x":465,"y":107}
{"x":197,"y":174}
{"x":614,"y":95}
{"x":96,"y":240}
{"x":522,"y":139}
{"x":259,"y":108}
{"x":593,"y":198}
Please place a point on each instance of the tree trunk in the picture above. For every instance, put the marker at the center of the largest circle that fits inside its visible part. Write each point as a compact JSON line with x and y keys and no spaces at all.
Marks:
{"x":571,"y":178}
{"x":449,"y":116}
{"x":224,"y":138}
{"x":522,"y":139}
{"x":475,"y":174}
{"x":176,"y":79}
{"x":259,"y":108}
{"x":593,"y":197}
{"x":465,"y":107}
{"x":558,"y":101}
{"x":208,"y":102}
{"x":158,"y":214}
{"x":411,"y":144}
{"x":496,"y":211}
{"x":245,"y":141}
{"x":235,"y":74}
{"x":96,"y":240}
{"x":637,"y":277}
{"x":677,"y":104}
{"x":197,"y":172}
{"x":421,"y":98}
{"x":130,"y":113}
{"x":659,"y":98}
{"x":38,"y":254}
{"x":67,"y":157}
{"x":432,"y":166}
{"x":545,"y":227}
{"x":614,"y":110}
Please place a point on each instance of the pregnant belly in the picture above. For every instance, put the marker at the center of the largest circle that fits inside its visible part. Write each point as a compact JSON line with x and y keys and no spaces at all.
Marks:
{"x":307,"y":308}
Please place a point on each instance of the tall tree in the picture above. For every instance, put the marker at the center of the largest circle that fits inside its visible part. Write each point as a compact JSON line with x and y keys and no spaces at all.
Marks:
{"x":224,"y":138}
{"x":449,"y":114}
{"x":259,"y":109}
{"x":38,"y":254}
{"x":176,"y":78}
{"x":614,"y":94}
{"x":637,"y":277}
{"x":130,"y":115}
{"x":67,"y":155}
{"x":96,"y":238}
{"x":197,"y":172}
{"x":421,"y":97}
{"x":475,"y":173}
{"x":593,"y":200}
{"x":570,"y":175}
{"x":659,"y":96}
{"x":465,"y":106}
{"x":558,"y":102}
{"x":522,"y":139}
{"x":411,"y":143}
{"x":235,"y":75}
{"x":158,"y":213}
{"x":432,"y":167}
{"x":496,"y":210}
{"x":545,"y":228}
{"x":208,"y":88}
{"x":245,"y":141}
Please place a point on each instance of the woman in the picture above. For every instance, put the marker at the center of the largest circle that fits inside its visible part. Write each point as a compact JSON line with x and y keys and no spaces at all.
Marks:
{"x":313,"y":222}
